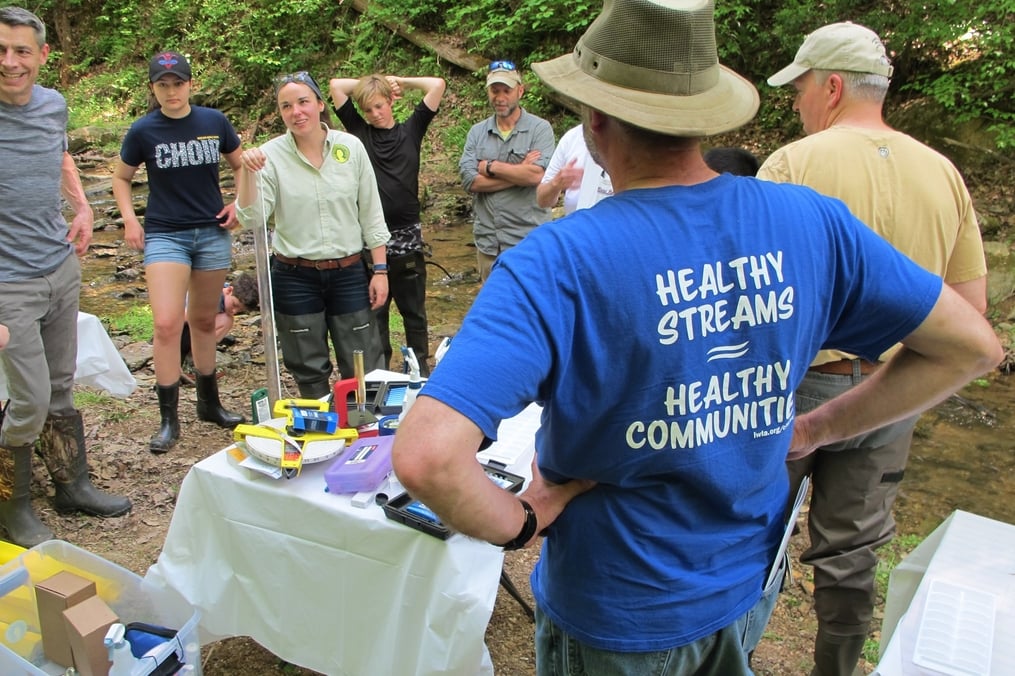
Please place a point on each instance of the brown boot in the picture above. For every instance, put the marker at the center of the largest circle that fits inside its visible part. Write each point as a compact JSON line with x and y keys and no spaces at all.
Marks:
{"x":16,"y":513}
{"x":62,"y":447}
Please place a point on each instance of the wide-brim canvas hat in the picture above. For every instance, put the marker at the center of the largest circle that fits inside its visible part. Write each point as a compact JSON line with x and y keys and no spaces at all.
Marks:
{"x":653,"y":64}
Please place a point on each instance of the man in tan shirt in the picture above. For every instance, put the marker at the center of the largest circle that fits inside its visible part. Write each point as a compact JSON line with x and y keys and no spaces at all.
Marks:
{"x":913,"y":197}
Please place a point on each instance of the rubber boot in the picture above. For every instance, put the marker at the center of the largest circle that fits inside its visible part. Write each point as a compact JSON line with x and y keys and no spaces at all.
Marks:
{"x":356,"y":331}
{"x":209,"y":408}
{"x":62,"y":447}
{"x":169,"y":427}
{"x":16,"y":513}
{"x":836,"y":655}
{"x":304,"y":342}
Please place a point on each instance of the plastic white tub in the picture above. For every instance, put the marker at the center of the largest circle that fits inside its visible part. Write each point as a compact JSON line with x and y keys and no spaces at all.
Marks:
{"x":124,"y":592}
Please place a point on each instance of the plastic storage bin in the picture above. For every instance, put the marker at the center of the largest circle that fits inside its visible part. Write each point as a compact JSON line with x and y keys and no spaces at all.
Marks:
{"x":124,"y":592}
{"x":361,"y":467}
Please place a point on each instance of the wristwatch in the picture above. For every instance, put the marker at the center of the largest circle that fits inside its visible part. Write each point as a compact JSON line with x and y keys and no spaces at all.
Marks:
{"x":489,"y":168}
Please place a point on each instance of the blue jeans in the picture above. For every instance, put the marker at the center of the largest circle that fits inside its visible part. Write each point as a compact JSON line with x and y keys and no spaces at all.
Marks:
{"x":753,"y":626}
{"x":719,"y":654}
{"x":298,"y":290}
{"x":204,"y":248}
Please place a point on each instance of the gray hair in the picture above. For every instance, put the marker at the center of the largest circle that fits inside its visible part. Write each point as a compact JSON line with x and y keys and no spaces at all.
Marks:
{"x":18,"y":16}
{"x":864,"y":86}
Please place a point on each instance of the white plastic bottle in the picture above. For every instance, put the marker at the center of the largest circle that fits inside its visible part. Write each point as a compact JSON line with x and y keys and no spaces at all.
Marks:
{"x":415,"y":384}
{"x":119,"y":651}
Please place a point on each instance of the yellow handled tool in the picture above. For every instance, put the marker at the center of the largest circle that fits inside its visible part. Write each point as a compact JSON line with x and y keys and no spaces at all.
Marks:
{"x":284,"y":406}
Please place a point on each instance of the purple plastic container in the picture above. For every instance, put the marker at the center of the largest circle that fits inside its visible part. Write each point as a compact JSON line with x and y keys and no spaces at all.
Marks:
{"x":361,"y":467}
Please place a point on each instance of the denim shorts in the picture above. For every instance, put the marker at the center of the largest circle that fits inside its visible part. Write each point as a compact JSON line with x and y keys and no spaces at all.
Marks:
{"x":204,"y":248}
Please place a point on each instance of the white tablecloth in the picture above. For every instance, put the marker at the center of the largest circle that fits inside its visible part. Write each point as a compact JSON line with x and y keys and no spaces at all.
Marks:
{"x":99,"y":363}
{"x":966,"y":555}
{"x":326,"y":585}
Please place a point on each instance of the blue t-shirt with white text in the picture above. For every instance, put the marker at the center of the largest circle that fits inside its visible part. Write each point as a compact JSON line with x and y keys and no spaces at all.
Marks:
{"x":665,"y":331}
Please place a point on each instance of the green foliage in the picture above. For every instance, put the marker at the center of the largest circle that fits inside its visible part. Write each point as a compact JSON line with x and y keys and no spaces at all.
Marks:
{"x":108,"y":98}
{"x":89,"y":398}
{"x":510,"y":30}
{"x":137,"y":322}
{"x":961,"y":54}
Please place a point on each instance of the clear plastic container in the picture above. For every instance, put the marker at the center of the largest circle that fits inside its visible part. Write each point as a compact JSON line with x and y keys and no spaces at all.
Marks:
{"x":123,"y":591}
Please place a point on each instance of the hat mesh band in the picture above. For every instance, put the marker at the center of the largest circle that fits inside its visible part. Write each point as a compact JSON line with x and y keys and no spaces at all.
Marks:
{"x":642,"y":61}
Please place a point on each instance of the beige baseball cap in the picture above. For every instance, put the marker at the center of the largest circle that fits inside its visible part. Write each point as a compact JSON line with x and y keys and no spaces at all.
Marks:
{"x":511,"y":78}
{"x":844,"y":46}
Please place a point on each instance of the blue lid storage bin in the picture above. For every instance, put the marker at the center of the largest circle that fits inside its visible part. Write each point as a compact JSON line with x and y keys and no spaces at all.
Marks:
{"x":123,"y":591}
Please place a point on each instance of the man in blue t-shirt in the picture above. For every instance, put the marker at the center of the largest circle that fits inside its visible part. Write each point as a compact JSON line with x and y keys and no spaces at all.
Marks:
{"x":40,"y":284}
{"x":664,"y":331}
{"x":394,"y":149}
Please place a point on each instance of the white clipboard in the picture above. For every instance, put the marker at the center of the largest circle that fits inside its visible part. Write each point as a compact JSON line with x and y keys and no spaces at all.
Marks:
{"x":798,"y":502}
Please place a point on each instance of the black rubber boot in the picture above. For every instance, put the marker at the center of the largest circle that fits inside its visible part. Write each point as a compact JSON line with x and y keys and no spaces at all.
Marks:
{"x":16,"y":513}
{"x":169,"y":427}
{"x":62,"y":447}
{"x":836,"y":655}
{"x":209,"y":408}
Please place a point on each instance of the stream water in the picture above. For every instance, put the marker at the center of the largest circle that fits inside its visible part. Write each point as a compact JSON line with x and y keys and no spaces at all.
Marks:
{"x":963,"y":454}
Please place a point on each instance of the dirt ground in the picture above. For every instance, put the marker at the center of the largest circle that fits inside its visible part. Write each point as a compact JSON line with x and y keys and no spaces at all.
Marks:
{"x":118,"y":430}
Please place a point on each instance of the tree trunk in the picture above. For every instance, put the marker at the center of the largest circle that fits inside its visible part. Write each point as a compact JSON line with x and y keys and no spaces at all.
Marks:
{"x":64,"y":39}
{"x":431,"y":42}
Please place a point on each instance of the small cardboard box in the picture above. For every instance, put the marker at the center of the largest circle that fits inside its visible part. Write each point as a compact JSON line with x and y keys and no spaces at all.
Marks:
{"x":54,"y":595}
{"x":87,"y":623}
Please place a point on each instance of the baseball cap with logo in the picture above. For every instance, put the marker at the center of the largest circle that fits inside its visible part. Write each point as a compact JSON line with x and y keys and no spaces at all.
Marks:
{"x":841,"y":46}
{"x":503,"y":72}
{"x":168,"y":63}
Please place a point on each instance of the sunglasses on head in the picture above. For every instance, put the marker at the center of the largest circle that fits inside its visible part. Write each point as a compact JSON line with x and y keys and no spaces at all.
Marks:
{"x":502,"y":65}
{"x":302,"y":77}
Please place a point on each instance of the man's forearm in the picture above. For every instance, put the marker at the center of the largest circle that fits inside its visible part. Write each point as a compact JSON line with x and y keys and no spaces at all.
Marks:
{"x":526,"y":175}
{"x":71,"y":187}
{"x":952,"y":346}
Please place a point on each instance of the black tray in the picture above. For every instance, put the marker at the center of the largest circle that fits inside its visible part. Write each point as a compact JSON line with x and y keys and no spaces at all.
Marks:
{"x":406,"y":510}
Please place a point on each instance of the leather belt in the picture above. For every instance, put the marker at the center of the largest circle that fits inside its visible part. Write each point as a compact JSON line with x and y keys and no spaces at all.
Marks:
{"x":844,"y":367}
{"x":323,"y":264}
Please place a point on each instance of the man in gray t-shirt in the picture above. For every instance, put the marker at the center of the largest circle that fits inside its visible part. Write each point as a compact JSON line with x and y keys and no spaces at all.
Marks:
{"x":502,"y":163}
{"x":40,"y":280}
